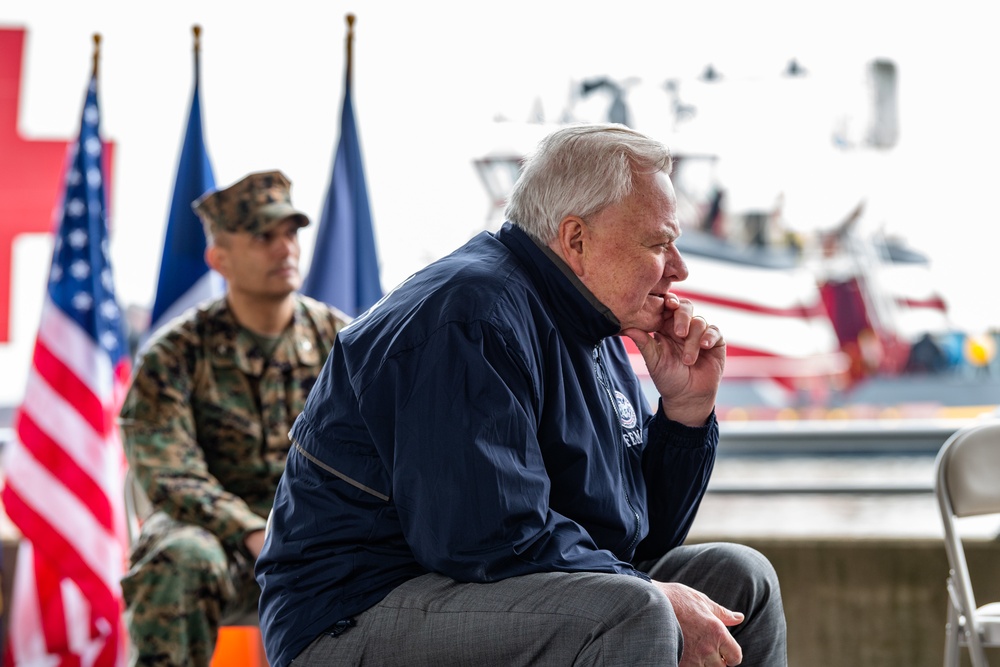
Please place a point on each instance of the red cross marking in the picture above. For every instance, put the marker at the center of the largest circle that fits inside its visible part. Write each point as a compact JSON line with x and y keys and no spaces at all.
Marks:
{"x":30,"y":172}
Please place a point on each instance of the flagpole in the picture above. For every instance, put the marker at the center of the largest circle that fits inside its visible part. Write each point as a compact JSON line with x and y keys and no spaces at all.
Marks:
{"x":97,"y":53}
{"x":350,"y":45}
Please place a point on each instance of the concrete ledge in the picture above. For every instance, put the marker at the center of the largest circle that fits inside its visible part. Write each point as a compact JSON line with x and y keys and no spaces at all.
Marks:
{"x":871,"y":602}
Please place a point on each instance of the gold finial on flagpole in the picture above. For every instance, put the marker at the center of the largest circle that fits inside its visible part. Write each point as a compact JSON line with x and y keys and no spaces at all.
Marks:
{"x":350,"y":40}
{"x":97,"y":52}
{"x":196,"y":29}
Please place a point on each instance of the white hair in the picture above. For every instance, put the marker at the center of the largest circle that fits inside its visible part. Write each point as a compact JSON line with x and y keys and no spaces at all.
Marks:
{"x":581,"y":170}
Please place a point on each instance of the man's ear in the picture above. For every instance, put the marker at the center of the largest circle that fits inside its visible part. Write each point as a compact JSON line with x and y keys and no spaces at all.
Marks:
{"x":214,"y":257}
{"x":569,"y":242}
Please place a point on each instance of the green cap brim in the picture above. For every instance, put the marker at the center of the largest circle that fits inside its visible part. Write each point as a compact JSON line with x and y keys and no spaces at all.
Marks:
{"x":271,"y":214}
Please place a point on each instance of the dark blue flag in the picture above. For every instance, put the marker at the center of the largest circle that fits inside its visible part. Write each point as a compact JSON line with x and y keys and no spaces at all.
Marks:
{"x":344,"y":271}
{"x":185,"y":279}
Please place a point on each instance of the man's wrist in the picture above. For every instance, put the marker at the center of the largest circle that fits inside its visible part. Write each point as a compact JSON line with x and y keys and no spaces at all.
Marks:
{"x":691,"y":416}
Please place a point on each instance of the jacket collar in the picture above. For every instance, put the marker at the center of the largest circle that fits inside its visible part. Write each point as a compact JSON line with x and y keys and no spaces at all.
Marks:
{"x":573,"y":305}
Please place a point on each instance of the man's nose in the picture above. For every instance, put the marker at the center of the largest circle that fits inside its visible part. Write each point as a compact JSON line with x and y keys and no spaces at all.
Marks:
{"x":284,"y":246}
{"x":676,"y":268}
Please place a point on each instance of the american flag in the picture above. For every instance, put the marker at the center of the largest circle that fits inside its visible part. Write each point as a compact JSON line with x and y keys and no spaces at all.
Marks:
{"x":65,"y":469}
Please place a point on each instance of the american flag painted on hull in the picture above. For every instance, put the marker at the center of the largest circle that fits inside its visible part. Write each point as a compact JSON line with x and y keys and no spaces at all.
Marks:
{"x":774,"y":321}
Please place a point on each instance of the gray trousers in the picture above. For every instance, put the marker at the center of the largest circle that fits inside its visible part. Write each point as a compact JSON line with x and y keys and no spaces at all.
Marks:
{"x":562,"y":619}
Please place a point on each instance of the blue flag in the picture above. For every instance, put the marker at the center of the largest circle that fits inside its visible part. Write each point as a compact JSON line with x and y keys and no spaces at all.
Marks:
{"x":344,"y":271}
{"x":185,"y":279}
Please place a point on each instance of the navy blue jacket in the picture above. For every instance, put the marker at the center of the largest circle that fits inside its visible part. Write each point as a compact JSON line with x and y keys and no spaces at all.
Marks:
{"x":482,"y":421}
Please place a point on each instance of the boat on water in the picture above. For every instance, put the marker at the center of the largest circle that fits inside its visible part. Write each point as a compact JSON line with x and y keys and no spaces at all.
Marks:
{"x":823,"y":317}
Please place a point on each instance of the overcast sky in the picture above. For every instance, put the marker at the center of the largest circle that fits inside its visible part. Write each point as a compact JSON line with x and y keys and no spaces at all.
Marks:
{"x":431,"y":76}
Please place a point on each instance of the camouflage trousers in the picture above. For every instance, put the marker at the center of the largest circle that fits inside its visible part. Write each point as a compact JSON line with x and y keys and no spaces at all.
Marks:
{"x":182,"y":584}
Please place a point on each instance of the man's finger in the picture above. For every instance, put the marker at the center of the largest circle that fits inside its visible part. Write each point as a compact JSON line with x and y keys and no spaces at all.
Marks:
{"x":683,"y":315}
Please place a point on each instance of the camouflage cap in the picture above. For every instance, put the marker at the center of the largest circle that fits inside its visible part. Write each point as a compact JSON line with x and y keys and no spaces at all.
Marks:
{"x":252,"y":204}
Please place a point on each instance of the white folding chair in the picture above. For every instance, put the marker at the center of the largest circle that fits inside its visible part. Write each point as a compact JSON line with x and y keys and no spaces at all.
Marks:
{"x":137,"y":507}
{"x":967,"y":484}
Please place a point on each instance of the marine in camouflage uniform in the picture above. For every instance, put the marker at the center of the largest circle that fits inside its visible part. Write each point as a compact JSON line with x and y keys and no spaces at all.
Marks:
{"x":205,"y":426}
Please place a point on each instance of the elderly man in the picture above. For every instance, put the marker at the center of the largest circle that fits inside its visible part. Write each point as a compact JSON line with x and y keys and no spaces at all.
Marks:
{"x":477,"y":479}
{"x":206,"y":422}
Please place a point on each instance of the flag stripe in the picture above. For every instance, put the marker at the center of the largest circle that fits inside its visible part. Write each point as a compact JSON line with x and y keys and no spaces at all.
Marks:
{"x":56,"y":417}
{"x":50,"y":577}
{"x":800,"y":310}
{"x":29,"y":615}
{"x":52,"y":616}
{"x":52,"y":458}
{"x":76,"y":349}
{"x":47,"y":510}
{"x":71,"y":388}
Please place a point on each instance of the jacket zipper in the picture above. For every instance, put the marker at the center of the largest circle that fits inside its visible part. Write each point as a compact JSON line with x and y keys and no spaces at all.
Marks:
{"x":602,"y":377}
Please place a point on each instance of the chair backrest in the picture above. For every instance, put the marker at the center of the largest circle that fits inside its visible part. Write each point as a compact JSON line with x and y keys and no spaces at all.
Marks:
{"x":967,"y":483}
{"x":137,"y":506}
{"x":968,"y":470}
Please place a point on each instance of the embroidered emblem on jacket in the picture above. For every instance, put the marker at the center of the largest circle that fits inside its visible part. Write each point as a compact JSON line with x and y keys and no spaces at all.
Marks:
{"x":626,"y":413}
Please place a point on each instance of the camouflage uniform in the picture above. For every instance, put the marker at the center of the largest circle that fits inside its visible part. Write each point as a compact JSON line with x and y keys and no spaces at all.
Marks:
{"x":205,"y":426}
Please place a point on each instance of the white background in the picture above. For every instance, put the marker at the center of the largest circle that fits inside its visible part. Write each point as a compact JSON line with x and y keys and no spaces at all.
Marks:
{"x":429,"y":78}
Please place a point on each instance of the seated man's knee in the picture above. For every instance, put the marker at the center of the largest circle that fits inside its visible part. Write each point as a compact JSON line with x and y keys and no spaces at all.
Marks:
{"x":748,"y":565}
{"x":639,"y":595}
{"x":637,"y":604}
{"x":195,"y":550}
{"x":639,"y":622}
{"x":175,"y":552}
